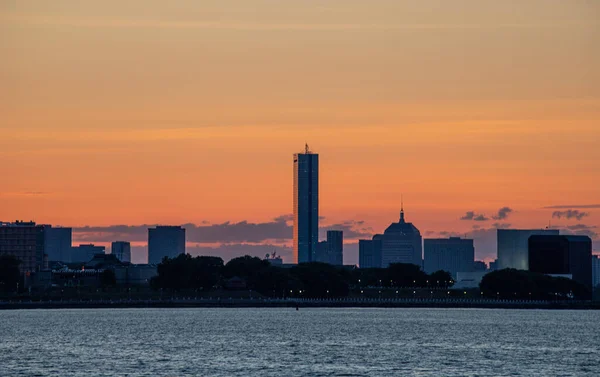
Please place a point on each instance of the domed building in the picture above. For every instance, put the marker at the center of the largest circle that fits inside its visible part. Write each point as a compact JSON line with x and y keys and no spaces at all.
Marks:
{"x":401,"y":243}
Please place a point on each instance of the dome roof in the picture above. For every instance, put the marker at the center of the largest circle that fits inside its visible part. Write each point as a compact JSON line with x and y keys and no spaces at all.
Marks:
{"x":402,"y":228}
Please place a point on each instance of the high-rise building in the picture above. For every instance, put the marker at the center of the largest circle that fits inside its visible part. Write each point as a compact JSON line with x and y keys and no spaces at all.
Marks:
{"x":335,"y":247}
{"x":369,"y":252}
{"x":402,"y":243}
{"x":58,"y":243}
{"x":306,"y":206}
{"x":562,"y":255}
{"x":122,"y":250}
{"x":595,"y":271}
{"x":513,"y":248}
{"x":165,"y":241}
{"x":85,"y":253}
{"x":494,"y":265}
{"x":24,"y":241}
{"x":449,"y":254}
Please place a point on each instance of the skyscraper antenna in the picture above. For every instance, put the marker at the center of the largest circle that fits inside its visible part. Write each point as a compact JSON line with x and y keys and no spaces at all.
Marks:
{"x":401,"y":208}
{"x":306,"y":149}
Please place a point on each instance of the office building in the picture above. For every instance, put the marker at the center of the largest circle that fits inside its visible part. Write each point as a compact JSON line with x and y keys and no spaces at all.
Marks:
{"x":165,"y":241}
{"x":122,"y":250}
{"x":595,"y":271}
{"x":335,"y":247}
{"x":494,"y":265}
{"x":25,"y":241}
{"x":562,"y":255}
{"x":449,"y":254}
{"x":402,"y":243}
{"x":369,"y":252}
{"x":306,"y":206}
{"x":513,"y":251}
{"x":479,"y":266}
{"x":321,"y":254}
{"x":332,"y":250}
{"x":86,"y":252}
{"x":58,"y":243}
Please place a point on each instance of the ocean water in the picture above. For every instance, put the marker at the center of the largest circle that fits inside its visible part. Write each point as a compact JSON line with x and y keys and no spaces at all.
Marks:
{"x":308,"y":342}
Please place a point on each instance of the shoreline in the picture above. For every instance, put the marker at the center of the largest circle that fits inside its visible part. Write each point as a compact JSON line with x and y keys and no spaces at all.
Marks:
{"x":262,"y":303}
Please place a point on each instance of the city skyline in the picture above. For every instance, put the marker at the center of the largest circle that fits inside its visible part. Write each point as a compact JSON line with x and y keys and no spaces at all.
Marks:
{"x":465,"y":112}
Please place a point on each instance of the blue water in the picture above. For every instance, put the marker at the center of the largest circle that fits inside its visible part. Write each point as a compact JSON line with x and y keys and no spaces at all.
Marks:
{"x":308,"y":342}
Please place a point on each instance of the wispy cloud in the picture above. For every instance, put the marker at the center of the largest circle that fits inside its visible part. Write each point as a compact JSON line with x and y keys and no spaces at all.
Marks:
{"x":280,"y":229}
{"x":570,"y":214}
{"x":472,"y":216}
{"x":580,"y":206}
{"x":502,"y":213}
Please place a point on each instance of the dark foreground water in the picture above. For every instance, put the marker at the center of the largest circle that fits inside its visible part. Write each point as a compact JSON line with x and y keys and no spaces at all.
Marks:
{"x":308,"y":342}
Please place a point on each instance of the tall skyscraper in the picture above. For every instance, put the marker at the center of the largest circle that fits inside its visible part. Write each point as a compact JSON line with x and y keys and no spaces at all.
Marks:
{"x":513,"y":246}
{"x":402,"y":243}
{"x":306,"y":206}
{"x":449,"y":254}
{"x":562,"y":255}
{"x":58,"y":243}
{"x":24,"y":241}
{"x":165,"y":241}
{"x":122,"y":250}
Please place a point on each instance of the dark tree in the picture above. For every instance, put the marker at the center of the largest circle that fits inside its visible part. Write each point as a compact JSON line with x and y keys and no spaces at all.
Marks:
{"x":108,"y":278}
{"x":321,"y":280}
{"x":441,"y":278}
{"x":519,"y":284}
{"x":185,"y":272}
{"x":406,"y":275}
{"x":10,"y":275}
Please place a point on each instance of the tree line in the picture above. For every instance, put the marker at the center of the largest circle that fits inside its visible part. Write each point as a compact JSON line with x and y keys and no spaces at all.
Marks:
{"x":306,"y":279}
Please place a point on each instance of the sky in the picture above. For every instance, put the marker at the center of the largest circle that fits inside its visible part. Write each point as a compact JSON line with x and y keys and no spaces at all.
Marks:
{"x":117,"y":115}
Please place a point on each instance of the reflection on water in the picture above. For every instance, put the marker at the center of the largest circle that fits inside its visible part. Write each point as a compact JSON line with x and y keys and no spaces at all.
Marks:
{"x":308,"y":342}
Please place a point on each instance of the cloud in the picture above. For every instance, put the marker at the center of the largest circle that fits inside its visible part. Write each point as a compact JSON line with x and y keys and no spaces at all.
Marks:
{"x":472,"y":216}
{"x":570,"y":214}
{"x":280,"y":230}
{"x":582,"y":230}
{"x":226,"y":232}
{"x":500,"y":226}
{"x":502,"y":213}
{"x":352,"y":229}
{"x":584,"y":206}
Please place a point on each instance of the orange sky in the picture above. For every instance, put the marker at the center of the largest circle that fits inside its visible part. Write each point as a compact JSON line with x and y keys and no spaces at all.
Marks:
{"x":181,"y":112}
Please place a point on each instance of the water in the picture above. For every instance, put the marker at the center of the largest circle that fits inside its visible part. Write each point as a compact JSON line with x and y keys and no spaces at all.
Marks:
{"x":308,"y":342}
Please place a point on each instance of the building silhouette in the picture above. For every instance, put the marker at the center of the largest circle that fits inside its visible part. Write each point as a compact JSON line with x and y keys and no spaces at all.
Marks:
{"x":479,"y":266}
{"x":86,"y":252}
{"x":449,"y":254}
{"x":121,"y":250}
{"x":562,"y":255}
{"x":369,"y":252}
{"x":595,"y":271}
{"x":513,"y":246}
{"x":165,"y":241}
{"x":25,"y":241}
{"x":306,"y":206}
{"x":58,"y":243}
{"x":335,"y":247}
{"x":402,"y":243}
{"x":332,"y":250}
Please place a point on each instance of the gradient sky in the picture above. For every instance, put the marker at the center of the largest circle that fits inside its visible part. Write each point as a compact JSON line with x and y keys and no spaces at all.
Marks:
{"x":147,"y":112}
